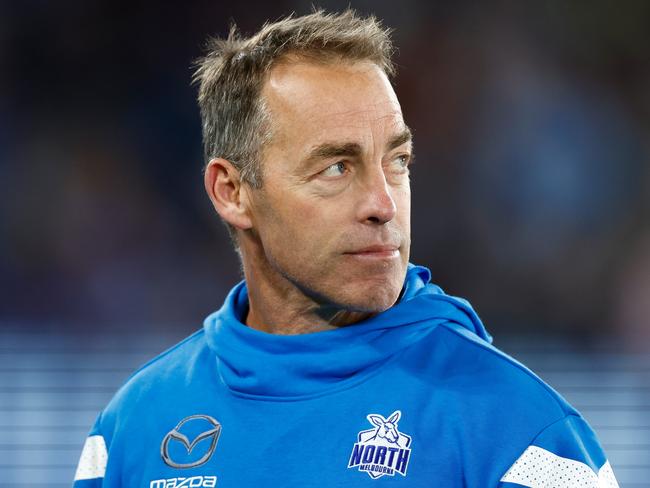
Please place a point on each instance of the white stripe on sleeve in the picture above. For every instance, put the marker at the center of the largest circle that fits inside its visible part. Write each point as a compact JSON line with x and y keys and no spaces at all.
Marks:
{"x":94,"y":457}
{"x":539,"y":468}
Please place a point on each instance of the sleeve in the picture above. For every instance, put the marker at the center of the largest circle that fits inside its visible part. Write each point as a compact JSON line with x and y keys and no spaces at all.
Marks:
{"x":564,"y":454}
{"x":93,"y":460}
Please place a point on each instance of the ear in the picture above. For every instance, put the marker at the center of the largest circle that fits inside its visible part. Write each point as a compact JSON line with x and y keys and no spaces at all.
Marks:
{"x":224,"y":187}
{"x":376,"y":420}
{"x":394,"y":418}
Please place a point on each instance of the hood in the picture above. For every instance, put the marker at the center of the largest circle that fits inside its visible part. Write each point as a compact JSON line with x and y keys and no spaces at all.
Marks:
{"x":259,"y":364}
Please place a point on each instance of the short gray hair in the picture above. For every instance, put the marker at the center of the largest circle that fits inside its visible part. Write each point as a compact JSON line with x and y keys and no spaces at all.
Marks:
{"x":233,"y":71}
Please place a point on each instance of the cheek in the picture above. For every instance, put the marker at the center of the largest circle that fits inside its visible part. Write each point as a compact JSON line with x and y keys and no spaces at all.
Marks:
{"x":292,"y":225}
{"x":307,"y":213}
{"x":402,"y":198}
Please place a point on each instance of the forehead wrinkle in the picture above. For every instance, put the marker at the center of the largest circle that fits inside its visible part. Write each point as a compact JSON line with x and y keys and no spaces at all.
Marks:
{"x":317,"y":110}
{"x":328,"y":111}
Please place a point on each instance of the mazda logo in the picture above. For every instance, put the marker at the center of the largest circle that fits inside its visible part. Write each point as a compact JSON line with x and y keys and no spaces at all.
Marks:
{"x":213,"y":431}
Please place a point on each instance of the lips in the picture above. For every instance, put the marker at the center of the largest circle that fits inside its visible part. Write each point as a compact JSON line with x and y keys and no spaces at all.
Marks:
{"x":376,"y":250}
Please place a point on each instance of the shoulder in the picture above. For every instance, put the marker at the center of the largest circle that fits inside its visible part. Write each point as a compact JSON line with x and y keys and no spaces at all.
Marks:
{"x":172,"y":363}
{"x":498,"y":401}
{"x":472,"y":366}
{"x":148,"y":395}
{"x":159,"y":380}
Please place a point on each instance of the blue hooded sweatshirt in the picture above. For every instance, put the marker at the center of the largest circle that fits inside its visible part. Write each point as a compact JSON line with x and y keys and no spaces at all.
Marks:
{"x":415,"y":396}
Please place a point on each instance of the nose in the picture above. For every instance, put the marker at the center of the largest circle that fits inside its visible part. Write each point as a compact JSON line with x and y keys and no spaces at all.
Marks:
{"x":376,"y":204}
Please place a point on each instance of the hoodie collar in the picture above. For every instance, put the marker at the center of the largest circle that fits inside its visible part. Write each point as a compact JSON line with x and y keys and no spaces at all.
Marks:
{"x":281,"y":367}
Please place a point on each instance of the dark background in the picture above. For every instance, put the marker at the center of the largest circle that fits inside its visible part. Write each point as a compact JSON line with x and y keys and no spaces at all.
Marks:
{"x":531,"y":198}
{"x":530,"y":188}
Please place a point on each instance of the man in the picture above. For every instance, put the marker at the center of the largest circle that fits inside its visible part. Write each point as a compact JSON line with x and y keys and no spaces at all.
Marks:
{"x":335,"y":363}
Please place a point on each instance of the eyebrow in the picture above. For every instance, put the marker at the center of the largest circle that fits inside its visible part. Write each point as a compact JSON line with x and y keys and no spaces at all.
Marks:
{"x":330,"y":150}
{"x":399,"y":139}
{"x":352,"y":149}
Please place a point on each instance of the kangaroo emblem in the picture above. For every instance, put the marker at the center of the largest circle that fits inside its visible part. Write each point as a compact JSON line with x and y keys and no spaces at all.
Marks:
{"x":382,"y":450}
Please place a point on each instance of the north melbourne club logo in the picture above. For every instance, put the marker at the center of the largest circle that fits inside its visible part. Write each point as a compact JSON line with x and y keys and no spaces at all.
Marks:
{"x":382,"y":450}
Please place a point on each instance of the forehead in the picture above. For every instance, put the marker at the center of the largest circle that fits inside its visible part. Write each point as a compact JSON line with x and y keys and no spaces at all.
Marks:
{"x":311,"y":102}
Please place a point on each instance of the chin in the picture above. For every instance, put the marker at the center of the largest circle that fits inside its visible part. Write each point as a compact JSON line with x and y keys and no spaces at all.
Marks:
{"x":373,"y":300}
{"x":371,"y":293}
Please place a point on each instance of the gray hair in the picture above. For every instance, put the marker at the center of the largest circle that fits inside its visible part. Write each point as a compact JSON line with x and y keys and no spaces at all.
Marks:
{"x":231,"y":75}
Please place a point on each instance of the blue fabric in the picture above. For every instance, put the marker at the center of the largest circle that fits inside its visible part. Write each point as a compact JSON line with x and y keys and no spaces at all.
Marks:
{"x":572,"y":438}
{"x":315,"y":409}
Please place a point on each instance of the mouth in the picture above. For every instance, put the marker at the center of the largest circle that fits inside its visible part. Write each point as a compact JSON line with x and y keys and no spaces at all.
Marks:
{"x":376,"y":252}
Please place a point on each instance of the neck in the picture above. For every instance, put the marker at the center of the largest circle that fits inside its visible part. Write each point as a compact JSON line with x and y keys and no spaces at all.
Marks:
{"x":278,"y":306}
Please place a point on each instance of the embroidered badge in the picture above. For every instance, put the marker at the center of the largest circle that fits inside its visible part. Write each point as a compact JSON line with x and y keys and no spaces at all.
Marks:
{"x":382,"y":450}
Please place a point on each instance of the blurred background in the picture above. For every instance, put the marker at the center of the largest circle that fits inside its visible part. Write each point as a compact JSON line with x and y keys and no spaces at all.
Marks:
{"x":531,"y":198}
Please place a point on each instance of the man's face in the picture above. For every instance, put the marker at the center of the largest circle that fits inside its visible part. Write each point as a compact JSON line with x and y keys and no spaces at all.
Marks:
{"x":333,"y":216}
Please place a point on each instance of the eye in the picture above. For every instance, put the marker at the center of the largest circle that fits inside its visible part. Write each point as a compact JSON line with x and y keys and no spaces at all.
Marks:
{"x":336,"y":169}
{"x":402,"y":161}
